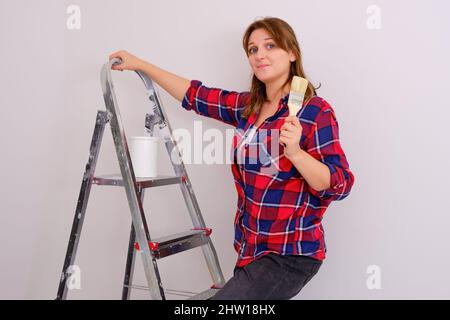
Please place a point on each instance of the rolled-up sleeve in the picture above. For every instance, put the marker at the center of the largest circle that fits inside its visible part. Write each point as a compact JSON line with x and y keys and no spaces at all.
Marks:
{"x":223,"y":105}
{"x":323,"y":144}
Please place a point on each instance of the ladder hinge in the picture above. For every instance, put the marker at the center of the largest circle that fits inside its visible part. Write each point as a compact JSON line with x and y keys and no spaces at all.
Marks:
{"x":153,"y":245}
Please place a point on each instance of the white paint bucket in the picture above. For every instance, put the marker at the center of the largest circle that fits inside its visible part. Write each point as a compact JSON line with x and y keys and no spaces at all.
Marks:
{"x":143,"y":153}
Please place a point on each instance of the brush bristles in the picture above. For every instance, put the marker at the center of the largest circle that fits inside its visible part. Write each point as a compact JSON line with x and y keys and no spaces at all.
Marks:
{"x":299,"y":84}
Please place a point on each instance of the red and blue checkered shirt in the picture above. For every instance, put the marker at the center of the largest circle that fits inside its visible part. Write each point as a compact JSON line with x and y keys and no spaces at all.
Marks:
{"x":277,"y":211}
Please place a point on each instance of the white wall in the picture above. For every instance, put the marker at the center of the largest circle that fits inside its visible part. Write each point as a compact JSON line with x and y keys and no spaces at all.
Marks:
{"x":386,"y":85}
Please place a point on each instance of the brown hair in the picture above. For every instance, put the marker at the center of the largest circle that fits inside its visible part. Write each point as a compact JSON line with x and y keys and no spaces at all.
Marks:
{"x":284,"y":37}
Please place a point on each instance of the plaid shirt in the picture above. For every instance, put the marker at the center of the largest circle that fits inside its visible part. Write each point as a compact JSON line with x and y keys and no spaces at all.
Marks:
{"x":277,"y":211}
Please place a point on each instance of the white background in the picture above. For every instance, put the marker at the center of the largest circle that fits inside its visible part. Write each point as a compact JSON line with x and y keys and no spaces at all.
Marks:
{"x":388,"y":87}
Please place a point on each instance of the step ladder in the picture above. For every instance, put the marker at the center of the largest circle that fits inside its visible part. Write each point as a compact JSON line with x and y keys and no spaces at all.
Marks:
{"x":150,"y":249}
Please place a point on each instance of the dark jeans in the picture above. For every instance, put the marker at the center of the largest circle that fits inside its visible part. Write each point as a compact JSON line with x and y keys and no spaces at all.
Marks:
{"x":272,"y":276}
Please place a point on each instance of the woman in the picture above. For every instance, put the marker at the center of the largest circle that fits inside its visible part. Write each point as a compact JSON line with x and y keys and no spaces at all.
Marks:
{"x":279,"y":236}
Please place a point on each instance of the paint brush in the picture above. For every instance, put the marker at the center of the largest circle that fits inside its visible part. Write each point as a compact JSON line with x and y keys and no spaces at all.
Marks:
{"x":297,"y":94}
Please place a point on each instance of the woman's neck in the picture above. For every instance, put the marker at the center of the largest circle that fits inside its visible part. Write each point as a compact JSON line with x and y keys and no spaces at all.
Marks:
{"x":274,"y":93}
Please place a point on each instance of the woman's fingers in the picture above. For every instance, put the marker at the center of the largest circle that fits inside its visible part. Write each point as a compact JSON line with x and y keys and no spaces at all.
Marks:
{"x":291,"y":124}
{"x":113,"y":55}
{"x":292,"y":120}
{"x":122,"y":56}
{"x":129,"y":61}
{"x":119,"y":67}
{"x":283,"y":141}
{"x":117,"y":54}
{"x":288,"y":126}
{"x":290,"y":130}
{"x":287,"y":134}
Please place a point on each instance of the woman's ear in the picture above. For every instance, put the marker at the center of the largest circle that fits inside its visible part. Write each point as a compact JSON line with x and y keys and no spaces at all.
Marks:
{"x":291,"y":56}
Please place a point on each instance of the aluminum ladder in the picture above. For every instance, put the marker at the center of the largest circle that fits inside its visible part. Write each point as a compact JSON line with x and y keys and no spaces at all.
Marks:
{"x":151,"y":249}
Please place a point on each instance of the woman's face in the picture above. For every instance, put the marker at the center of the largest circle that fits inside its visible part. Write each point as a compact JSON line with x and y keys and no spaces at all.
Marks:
{"x":268,"y":61}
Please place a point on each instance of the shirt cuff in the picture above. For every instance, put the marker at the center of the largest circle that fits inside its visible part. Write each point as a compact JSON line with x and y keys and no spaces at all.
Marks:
{"x":191,"y":93}
{"x":336,"y":184}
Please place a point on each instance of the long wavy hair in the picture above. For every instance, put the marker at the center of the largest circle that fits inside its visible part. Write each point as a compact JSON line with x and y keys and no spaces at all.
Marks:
{"x":284,"y":36}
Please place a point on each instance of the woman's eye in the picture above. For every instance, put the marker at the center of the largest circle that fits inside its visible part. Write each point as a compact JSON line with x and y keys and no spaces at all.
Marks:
{"x":253,"y":51}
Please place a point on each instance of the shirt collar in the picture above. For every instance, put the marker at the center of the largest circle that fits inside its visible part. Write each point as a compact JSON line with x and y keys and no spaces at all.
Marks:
{"x":281,"y":106}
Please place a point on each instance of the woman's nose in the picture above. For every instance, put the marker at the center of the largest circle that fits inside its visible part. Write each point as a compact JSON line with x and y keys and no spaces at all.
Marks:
{"x":260,"y":54}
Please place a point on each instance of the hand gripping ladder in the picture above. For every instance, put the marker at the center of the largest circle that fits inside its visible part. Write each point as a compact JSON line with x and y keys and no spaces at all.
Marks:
{"x":150,"y":249}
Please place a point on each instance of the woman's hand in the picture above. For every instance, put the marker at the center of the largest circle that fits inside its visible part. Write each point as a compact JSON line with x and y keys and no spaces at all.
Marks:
{"x":129,"y":61}
{"x":290,"y":135}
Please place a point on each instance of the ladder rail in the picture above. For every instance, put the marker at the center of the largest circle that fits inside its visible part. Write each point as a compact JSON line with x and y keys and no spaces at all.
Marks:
{"x":208,"y":249}
{"x":80,"y":212}
{"x":131,"y":258}
{"x":139,"y":222}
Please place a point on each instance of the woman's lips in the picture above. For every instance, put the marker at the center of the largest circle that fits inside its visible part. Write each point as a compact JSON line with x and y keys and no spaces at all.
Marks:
{"x":262,"y":66}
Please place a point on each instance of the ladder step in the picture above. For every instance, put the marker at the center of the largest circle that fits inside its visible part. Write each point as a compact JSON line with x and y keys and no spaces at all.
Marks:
{"x":172,"y":244}
{"x":116,"y":180}
{"x":205,"y":295}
